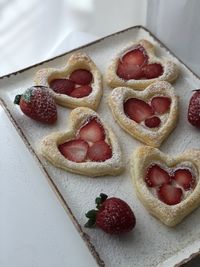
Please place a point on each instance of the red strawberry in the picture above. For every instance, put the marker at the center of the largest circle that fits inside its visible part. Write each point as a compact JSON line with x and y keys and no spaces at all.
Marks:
{"x":81,"y":76}
{"x":184,"y":178}
{"x":129,"y":71}
{"x":62,"y":86}
{"x":92,"y":131}
{"x":169,"y":194}
{"x":74,"y":150}
{"x":99,"y":151}
{"x":113,"y":215}
{"x":137,"y":109}
{"x":152,"y":122}
{"x":152,"y":70}
{"x":81,"y":91}
{"x":194,"y":109}
{"x":161,"y":104}
{"x":38,"y":104}
{"x":135,"y":57}
{"x":156,"y":176}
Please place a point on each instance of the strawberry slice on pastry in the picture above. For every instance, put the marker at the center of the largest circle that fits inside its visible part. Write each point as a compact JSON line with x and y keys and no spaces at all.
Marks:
{"x":88,"y":147}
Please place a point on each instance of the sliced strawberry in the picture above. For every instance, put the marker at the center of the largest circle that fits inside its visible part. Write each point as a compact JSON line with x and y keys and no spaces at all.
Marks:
{"x":156,"y":176}
{"x":169,"y":194}
{"x":74,"y":150}
{"x":81,"y":91}
{"x":135,"y":57}
{"x":184,"y":178}
{"x":152,"y":122}
{"x":137,"y":109}
{"x":161,"y":104}
{"x":62,"y":86}
{"x":129,"y":71}
{"x":152,"y":70}
{"x":81,"y":76}
{"x":100,"y":151}
{"x":92,"y":131}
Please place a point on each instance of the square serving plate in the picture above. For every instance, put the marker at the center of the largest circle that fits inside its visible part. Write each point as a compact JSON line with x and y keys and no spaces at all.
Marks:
{"x":151,"y":243}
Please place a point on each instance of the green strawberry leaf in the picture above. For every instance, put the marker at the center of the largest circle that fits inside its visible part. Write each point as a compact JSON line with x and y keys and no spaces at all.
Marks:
{"x":103,"y":196}
{"x":90,"y":223}
{"x":91,"y":214}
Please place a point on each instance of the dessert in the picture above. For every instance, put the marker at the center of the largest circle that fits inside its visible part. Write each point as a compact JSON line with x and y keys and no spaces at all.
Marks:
{"x":148,"y":115}
{"x":168,"y":186}
{"x":77,"y":84}
{"x":37,"y":103}
{"x":112,"y":215}
{"x":136,"y":66}
{"x":88,"y":147}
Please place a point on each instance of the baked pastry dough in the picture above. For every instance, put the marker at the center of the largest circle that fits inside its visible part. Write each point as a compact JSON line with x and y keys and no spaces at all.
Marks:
{"x":145,"y":156}
{"x":170,"y":69}
{"x":150,"y":136}
{"x":78,"y":118}
{"x":76,"y":61}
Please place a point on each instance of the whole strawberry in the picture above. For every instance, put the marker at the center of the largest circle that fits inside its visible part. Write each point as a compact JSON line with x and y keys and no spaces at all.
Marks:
{"x":113,"y":215}
{"x":194,"y":109}
{"x":38,"y":104}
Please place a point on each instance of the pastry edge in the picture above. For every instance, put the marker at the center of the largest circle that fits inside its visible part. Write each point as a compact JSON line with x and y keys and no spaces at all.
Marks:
{"x":130,"y":126}
{"x":77,"y":60}
{"x":156,"y":208}
{"x":48,"y":149}
{"x":171,"y":70}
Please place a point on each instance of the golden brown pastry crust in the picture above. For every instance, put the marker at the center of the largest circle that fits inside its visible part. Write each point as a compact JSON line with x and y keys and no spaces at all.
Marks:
{"x":78,"y":116}
{"x":169,"y":215}
{"x":76,"y":61}
{"x":154,"y":136}
{"x":170,"y":69}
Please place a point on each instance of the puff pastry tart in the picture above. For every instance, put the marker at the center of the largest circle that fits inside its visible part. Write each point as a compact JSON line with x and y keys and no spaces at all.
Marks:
{"x":168,"y":186}
{"x":87,"y":147}
{"x":136,"y":66}
{"x":79,"y":83}
{"x":148,"y":115}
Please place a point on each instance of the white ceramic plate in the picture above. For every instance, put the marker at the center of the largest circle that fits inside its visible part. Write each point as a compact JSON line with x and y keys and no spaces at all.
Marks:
{"x":151,"y":243}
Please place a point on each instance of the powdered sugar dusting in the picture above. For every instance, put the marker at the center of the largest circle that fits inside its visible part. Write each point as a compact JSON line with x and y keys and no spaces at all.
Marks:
{"x":170,"y":72}
{"x":43,"y":102}
{"x":76,"y":61}
{"x":183,"y":165}
{"x":139,"y":130}
{"x":78,"y":118}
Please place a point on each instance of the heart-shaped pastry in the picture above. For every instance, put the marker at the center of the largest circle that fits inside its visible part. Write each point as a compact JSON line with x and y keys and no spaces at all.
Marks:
{"x":88,"y":147}
{"x":148,"y":115}
{"x":168,"y":186}
{"x":136,"y":66}
{"x":79,"y":83}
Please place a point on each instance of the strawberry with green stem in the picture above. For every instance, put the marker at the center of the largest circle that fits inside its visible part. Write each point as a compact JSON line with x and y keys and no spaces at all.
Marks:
{"x":38,"y":104}
{"x":112,"y":215}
